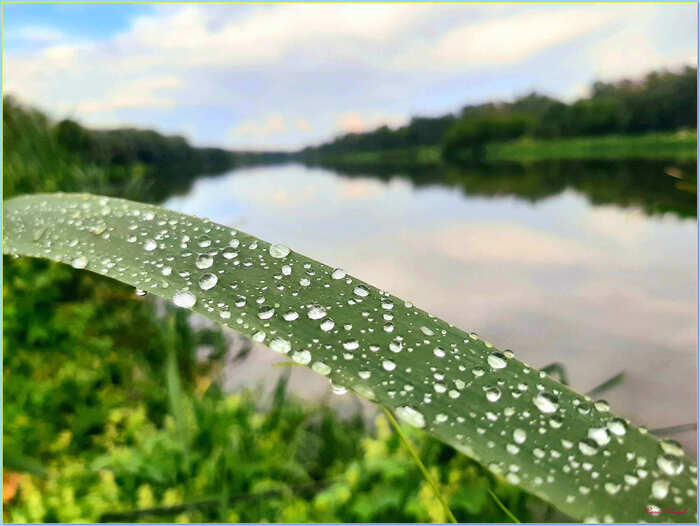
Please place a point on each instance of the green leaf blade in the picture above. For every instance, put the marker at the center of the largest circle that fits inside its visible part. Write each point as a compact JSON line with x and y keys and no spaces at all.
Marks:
{"x":522,"y":424}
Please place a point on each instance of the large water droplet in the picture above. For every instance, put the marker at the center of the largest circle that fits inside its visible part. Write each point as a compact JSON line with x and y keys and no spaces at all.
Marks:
{"x":321,"y":368}
{"x":361,"y":291}
{"x":617,"y":426}
{"x":612,"y":488}
{"x":184,"y":299}
{"x":497,"y":360}
{"x":388,"y":365}
{"x":316,"y":312}
{"x":546,"y":402}
{"x":150,"y":245}
{"x":290,"y":315}
{"x":327,"y":324}
{"x":279,"y":251}
{"x":671,"y":447}
{"x":302,"y":357}
{"x":208,"y":281}
{"x":411,"y":416}
{"x":351,"y":345}
{"x":670,"y":465}
{"x":338,"y":273}
{"x":519,"y":436}
{"x":659,"y":488}
{"x":79,"y":262}
{"x":280,"y":345}
{"x":600,"y":434}
{"x":266,"y":312}
{"x":588,"y":447}
{"x":204,"y":261}
{"x":493,"y":394}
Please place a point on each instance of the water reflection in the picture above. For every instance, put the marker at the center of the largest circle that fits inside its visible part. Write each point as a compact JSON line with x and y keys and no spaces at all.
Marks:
{"x":653,"y":186}
{"x":600,"y":288}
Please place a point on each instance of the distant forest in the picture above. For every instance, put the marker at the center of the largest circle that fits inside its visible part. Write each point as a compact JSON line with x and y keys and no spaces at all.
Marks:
{"x":661,"y":101}
{"x":67,"y":153}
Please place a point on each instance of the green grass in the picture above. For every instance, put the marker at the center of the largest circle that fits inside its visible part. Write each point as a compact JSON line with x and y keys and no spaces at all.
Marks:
{"x":680,"y":146}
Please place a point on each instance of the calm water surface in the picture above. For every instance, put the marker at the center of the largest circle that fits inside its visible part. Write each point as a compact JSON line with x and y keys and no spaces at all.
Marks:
{"x":599,"y":289}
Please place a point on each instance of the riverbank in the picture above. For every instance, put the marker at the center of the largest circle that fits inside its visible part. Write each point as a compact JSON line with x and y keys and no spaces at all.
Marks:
{"x":675,"y":146}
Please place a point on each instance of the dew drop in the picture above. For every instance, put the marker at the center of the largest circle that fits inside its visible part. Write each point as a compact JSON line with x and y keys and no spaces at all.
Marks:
{"x":351,"y":345}
{"x":79,"y":262}
{"x":600,"y":434}
{"x":266,"y":312}
{"x":321,"y":368}
{"x":302,"y":357}
{"x":493,"y":394}
{"x":439,"y":352}
{"x":388,"y":365}
{"x":290,"y":315}
{"x":546,"y":402}
{"x":184,"y":299}
{"x":327,"y":324}
{"x":425,"y":330}
{"x":659,"y":489}
{"x":519,"y":436}
{"x":671,"y":447}
{"x":617,"y":426}
{"x":279,"y":251}
{"x":497,"y":360}
{"x":150,"y":245}
{"x":670,"y":464}
{"x":316,"y":312}
{"x":208,"y":281}
{"x":612,"y":488}
{"x":395,"y":346}
{"x":204,"y":261}
{"x":361,"y":291}
{"x":588,"y":447}
{"x":280,"y":345}
{"x":338,"y":273}
{"x":411,"y":416}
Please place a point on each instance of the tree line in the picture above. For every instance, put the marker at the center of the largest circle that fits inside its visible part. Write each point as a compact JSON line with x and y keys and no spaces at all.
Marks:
{"x":40,"y":151}
{"x":660,"y":101}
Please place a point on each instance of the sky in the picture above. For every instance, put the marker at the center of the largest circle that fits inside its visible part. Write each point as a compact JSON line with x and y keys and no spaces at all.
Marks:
{"x":283,"y":76}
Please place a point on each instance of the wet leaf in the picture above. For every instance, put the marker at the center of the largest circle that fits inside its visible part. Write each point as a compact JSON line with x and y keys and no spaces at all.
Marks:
{"x":537,"y":433}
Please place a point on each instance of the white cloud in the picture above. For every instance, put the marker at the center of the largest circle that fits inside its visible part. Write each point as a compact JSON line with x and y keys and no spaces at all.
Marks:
{"x":330,"y":68}
{"x":507,"y":40}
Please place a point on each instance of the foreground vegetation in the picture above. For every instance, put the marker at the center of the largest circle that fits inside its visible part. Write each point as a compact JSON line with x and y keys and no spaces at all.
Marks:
{"x":92,"y":400}
{"x":108,"y":413}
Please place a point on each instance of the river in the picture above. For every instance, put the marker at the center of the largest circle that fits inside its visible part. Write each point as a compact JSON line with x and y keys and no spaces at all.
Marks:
{"x":533,"y":267}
